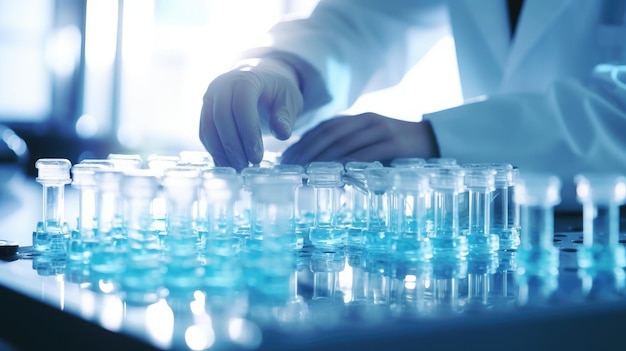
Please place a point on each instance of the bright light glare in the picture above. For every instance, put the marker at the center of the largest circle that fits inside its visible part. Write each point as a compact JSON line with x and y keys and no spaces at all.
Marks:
{"x":197,"y":305}
{"x":87,"y":126}
{"x":101,"y":32}
{"x":620,"y":191}
{"x":244,"y":332}
{"x":87,"y":305}
{"x":14,"y":142}
{"x":410,"y":282}
{"x":63,"y":50}
{"x":199,"y":337}
{"x":345,"y":283}
{"x":160,"y":323}
{"x":582,"y":190}
{"x":106,"y":286}
{"x":112,"y":312}
{"x":129,"y":136}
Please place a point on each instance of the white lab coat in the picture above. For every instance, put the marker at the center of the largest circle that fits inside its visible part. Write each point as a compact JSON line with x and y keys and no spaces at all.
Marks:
{"x":542,"y":101}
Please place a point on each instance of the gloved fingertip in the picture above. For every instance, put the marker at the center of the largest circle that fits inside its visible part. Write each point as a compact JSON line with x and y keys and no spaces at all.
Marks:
{"x":283,"y":127}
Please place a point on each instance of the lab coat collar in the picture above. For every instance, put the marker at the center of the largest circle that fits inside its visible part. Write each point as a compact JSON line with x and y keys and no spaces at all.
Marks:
{"x":535,"y":17}
{"x":492,"y":28}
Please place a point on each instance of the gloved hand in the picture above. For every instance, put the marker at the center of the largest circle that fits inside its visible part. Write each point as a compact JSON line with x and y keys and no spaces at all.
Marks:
{"x":366,"y":137}
{"x":237,"y":103}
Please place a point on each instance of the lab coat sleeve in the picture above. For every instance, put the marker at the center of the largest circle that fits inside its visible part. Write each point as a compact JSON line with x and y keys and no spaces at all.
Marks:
{"x":349,"y":47}
{"x":572,"y":128}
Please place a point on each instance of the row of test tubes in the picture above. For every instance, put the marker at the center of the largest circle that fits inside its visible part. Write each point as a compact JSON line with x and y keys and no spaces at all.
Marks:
{"x":171,"y":224}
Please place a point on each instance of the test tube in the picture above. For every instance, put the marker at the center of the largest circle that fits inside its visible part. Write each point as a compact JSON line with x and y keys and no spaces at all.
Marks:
{"x":159,"y":163}
{"x":480,"y":183}
{"x":252,"y":226}
{"x":378,"y":238}
{"x":275,"y":263}
{"x":482,"y":259}
{"x":139,"y":187}
{"x":143,"y":273}
{"x":601,"y":259}
{"x":181,"y":242}
{"x":110,"y":205}
{"x":294,"y":175}
{"x":357,"y":200}
{"x":276,"y":198}
{"x":221,"y":187}
{"x":52,"y":231}
{"x":180,"y":185}
{"x":326,"y":178}
{"x":514,"y":207}
{"x":447,"y":184}
{"x":411,"y":191}
{"x":537,"y":194}
{"x":107,"y":260}
{"x":83,"y":240}
{"x":222,"y":277}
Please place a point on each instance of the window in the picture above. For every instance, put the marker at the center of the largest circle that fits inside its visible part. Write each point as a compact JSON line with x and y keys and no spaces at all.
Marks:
{"x":85,"y":78}
{"x":169,"y":51}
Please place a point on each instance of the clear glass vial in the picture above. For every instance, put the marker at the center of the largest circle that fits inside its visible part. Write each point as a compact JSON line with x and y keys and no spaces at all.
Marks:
{"x":538,"y":260}
{"x":326,"y":178}
{"x":601,"y":258}
{"x":52,"y":231}
{"x":448,"y":187}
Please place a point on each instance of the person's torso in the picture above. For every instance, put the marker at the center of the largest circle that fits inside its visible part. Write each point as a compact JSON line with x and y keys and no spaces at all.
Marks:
{"x":554,"y":39}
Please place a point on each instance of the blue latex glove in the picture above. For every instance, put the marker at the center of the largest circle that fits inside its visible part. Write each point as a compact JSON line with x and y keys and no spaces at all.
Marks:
{"x":364,"y":137}
{"x":258,"y":94}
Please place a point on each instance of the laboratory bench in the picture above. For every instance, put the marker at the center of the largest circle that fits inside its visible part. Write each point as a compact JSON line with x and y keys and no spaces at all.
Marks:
{"x":52,"y":306}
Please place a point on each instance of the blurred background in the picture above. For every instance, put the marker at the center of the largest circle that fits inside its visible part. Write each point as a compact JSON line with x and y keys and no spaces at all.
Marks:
{"x":85,"y":78}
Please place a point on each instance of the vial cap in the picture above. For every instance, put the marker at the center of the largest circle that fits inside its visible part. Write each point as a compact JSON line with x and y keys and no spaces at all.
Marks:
{"x":378,"y":180}
{"x":408,"y":162}
{"x":220,"y":189}
{"x":355,"y":168}
{"x":162,"y":162}
{"x":325,"y":174}
{"x":108,"y":180}
{"x":601,"y":188}
{"x":504,"y":172}
{"x":410,"y":179}
{"x":291,"y":173}
{"x":274,"y":191}
{"x":479,"y":177}
{"x":447,"y":178}
{"x":181,"y":177}
{"x":140,"y":183}
{"x":449,"y":161}
{"x":195,"y":157}
{"x":538,"y":189}
{"x":221,"y":180}
{"x":83,"y":174}
{"x":53,"y":170}
{"x":219,"y":171}
{"x":97,"y":163}
{"x":125,"y":161}
{"x":251,"y":175}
